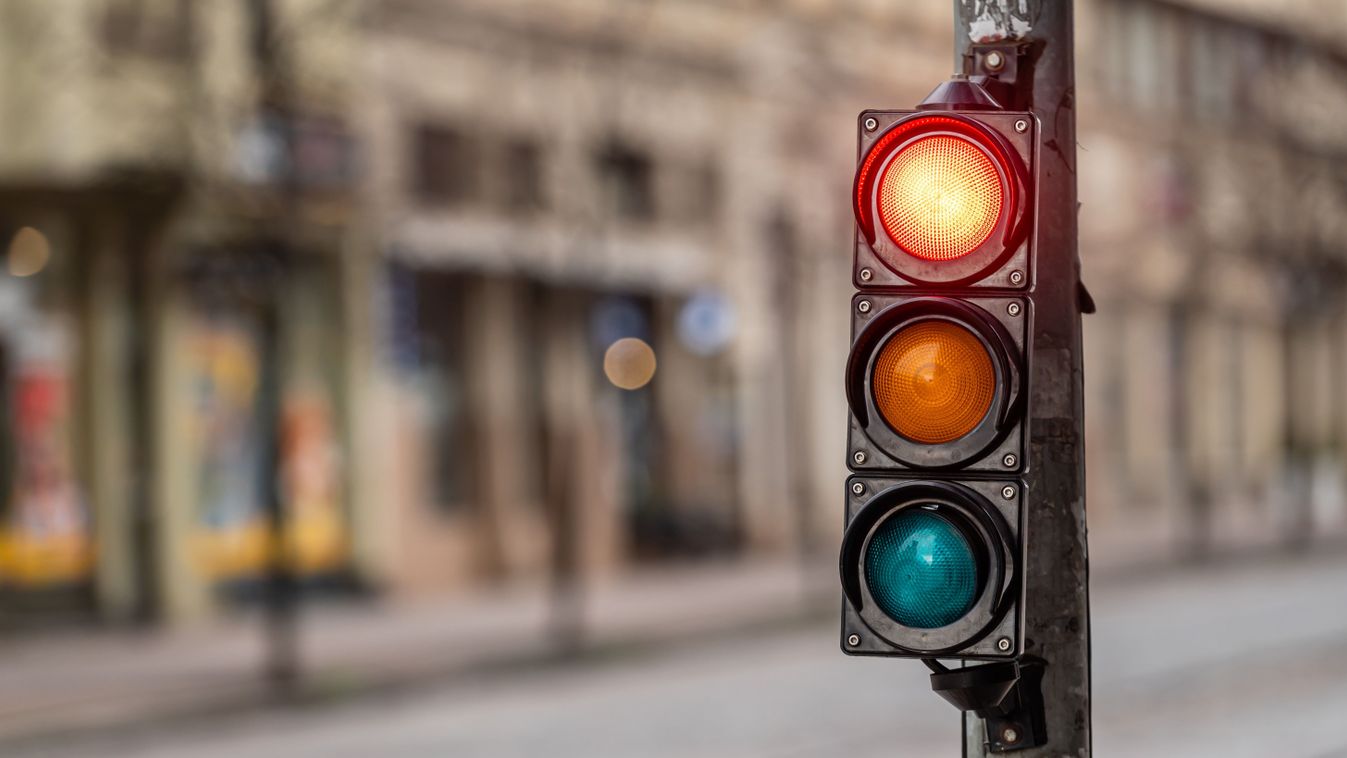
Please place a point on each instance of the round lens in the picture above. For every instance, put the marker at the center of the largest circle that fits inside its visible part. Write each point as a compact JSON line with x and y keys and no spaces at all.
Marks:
{"x":921,"y":570}
{"x":940,"y":197}
{"x":933,"y":382}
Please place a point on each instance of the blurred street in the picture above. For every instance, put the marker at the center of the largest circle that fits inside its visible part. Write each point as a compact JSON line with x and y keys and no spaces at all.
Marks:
{"x":470,"y":377}
{"x":1245,"y":659}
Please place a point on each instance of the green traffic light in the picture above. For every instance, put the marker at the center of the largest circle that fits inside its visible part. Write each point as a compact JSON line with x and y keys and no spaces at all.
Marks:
{"x":921,"y":569}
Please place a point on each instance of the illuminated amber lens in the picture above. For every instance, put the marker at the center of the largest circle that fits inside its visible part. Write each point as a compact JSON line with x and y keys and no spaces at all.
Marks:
{"x":933,"y":382}
{"x":940,"y":198}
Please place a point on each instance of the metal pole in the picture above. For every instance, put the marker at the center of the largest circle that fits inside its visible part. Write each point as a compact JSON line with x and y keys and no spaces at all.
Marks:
{"x":282,"y":590}
{"x":1057,"y":614}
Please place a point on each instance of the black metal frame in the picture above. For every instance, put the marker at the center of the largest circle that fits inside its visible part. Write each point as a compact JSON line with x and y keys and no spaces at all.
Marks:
{"x":1007,"y":359}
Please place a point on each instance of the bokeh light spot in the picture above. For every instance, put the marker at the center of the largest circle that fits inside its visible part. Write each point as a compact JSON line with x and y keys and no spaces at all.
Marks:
{"x":629,"y":363}
{"x":28,"y":253}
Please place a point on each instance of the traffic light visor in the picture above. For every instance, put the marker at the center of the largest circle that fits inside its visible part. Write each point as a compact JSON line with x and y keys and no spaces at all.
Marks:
{"x":921,"y":569}
{"x":940,"y":197}
{"x":933,"y":381}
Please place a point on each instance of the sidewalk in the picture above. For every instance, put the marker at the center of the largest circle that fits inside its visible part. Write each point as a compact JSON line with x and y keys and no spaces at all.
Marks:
{"x":90,"y":679}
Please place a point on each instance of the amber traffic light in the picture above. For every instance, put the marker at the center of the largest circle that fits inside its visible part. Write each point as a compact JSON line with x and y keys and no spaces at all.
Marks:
{"x":933,"y":381}
{"x":936,"y":382}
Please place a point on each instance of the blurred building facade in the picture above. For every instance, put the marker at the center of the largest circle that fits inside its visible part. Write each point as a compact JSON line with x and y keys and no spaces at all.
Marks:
{"x":566,"y":174}
{"x":1213,"y":184}
{"x":395,"y":240}
{"x":179,"y":203}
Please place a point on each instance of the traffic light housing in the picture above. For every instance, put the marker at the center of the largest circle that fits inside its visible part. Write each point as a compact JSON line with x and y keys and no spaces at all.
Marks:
{"x":944,"y":199}
{"x":932,"y":557}
{"x":930,"y":567}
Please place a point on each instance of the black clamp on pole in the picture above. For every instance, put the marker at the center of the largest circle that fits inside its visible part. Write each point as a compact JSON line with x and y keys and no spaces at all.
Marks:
{"x":1007,"y":695}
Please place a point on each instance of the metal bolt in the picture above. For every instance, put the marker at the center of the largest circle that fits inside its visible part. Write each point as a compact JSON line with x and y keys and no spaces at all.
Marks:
{"x":1016,"y":276}
{"x":1008,"y":492}
{"x":994,"y":60}
{"x":1010,"y":460}
{"x":1004,"y":644}
{"x":1021,"y":125}
{"x":870,"y":124}
{"x":1010,"y":735}
{"x":1013,"y":309}
{"x":863,"y":306}
{"x":867,"y":275}
{"x":857,"y":488}
{"x":858,"y":457}
{"x":853,"y":640}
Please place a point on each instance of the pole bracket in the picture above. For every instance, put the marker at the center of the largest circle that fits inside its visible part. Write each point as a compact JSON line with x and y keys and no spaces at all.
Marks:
{"x":1000,"y":67}
{"x":1006,"y":695}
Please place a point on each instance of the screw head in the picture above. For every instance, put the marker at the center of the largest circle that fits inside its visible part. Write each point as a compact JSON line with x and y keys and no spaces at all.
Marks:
{"x":1021,"y":125}
{"x":857,"y":488}
{"x":994,"y":60}
{"x":1004,"y":644}
{"x":870,"y":124}
{"x":858,"y":457}
{"x":1016,"y":276}
{"x":863,"y":306}
{"x":1010,"y":460}
{"x":853,"y":640}
{"x":1010,"y":735}
{"x":1013,"y":309}
{"x":867,"y":275}
{"x":1008,"y":492}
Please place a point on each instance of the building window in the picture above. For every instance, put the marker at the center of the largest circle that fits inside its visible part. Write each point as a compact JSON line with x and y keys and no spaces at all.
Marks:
{"x":445,"y":166}
{"x":439,"y":374}
{"x":523,"y":188}
{"x":626,"y":181}
{"x":705,"y":200}
{"x":154,"y":29}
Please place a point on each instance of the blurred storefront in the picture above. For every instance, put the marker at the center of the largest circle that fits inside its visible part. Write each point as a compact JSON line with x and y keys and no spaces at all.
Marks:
{"x":516,"y":439}
{"x":47,"y":546}
{"x":183,"y":309}
{"x":264,"y":376}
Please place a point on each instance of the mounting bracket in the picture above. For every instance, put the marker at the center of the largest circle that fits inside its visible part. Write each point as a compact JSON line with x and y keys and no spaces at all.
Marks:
{"x":997,"y":66}
{"x":1007,"y":695}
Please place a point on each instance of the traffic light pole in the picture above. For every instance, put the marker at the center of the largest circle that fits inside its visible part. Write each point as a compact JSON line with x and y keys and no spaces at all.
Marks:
{"x":1057,"y":613}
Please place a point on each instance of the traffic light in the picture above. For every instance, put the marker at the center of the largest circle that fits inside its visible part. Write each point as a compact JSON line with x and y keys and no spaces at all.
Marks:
{"x":933,"y":553}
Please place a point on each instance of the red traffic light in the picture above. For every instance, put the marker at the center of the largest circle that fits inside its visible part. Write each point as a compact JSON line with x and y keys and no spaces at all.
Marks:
{"x":942,"y":198}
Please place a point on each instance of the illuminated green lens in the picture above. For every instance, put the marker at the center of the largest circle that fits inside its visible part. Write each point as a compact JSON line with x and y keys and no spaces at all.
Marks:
{"x":921,"y":570}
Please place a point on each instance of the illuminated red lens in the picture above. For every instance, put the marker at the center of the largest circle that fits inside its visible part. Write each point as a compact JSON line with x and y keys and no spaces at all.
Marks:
{"x":940,"y":197}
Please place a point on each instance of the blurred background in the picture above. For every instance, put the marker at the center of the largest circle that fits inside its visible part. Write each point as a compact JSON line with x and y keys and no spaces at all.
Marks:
{"x":517,"y":328}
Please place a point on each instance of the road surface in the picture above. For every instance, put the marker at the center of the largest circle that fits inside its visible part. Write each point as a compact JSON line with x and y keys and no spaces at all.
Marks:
{"x":1244,"y":659}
